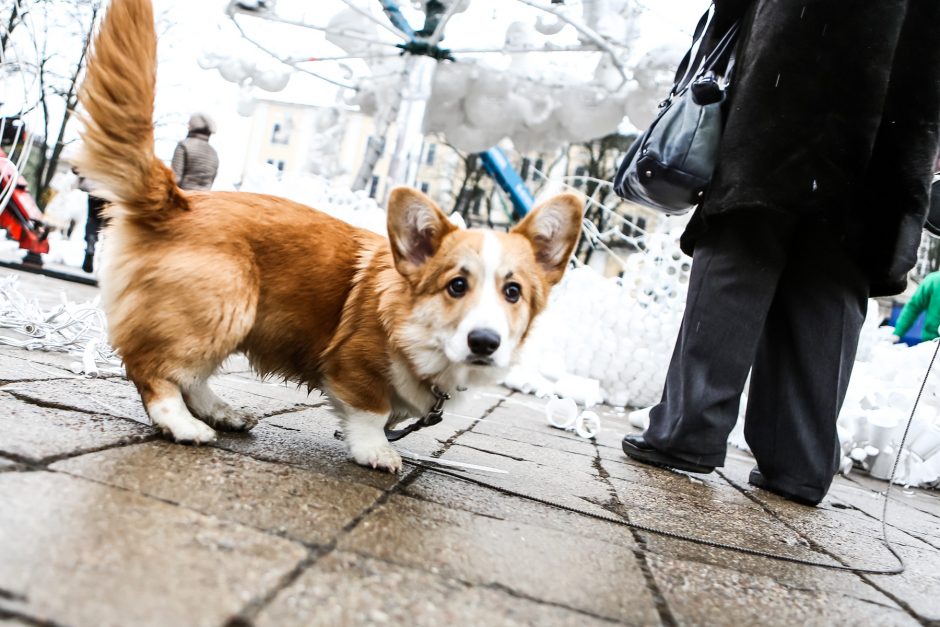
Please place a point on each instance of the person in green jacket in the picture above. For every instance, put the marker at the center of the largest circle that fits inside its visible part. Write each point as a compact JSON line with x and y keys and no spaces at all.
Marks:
{"x":926,"y":297}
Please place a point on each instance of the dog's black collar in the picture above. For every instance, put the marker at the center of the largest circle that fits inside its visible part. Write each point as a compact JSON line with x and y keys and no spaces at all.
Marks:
{"x":434,"y":416}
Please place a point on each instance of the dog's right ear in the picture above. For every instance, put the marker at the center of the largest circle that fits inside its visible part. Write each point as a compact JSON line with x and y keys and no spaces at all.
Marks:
{"x":416,"y":228}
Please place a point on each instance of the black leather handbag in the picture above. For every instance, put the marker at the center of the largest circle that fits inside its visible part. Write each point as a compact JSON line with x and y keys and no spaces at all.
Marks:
{"x":933,"y":213}
{"x":670,"y":165}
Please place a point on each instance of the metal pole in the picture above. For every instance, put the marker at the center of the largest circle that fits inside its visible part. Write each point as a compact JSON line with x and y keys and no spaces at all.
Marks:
{"x":416,"y":91}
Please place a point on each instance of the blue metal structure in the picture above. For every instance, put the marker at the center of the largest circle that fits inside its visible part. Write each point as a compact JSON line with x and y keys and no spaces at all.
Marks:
{"x":396,"y":18}
{"x":494,"y":160}
{"x":498,"y":167}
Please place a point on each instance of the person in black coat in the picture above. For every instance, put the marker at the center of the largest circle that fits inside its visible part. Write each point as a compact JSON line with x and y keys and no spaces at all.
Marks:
{"x":817,"y":203}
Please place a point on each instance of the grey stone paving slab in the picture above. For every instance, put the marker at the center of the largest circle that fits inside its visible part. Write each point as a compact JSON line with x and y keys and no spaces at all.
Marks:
{"x":120,"y":398}
{"x":791,"y":575}
{"x":47,"y":291}
{"x":927,"y":501}
{"x":18,"y":365}
{"x":457,"y":494}
{"x":698,"y":594}
{"x":577,"y":484}
{"x":541,"y":454}
{"x":500,"y":424}
{"x":716,"y":511}
{"x":35,"y":433}
{"x":304,"y":438}
{"x":712,"y":520}
{"x":114,"y":397}
{"x":904,"y":512}
{"x":919,"y":584}
{"x":79,"y":553}
{"x":710,"y":485}
{"x":50,"y":363}
{"x":348,"y":589}
{"x":601,"y":578}
{"x":303,"y":505}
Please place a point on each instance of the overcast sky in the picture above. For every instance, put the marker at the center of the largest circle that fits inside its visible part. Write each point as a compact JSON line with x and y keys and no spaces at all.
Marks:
{"x":190,"y":27}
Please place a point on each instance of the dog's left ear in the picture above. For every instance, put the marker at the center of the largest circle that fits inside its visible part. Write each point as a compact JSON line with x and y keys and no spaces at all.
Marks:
{"x":553,"y":229}
{"x":416,"y":228}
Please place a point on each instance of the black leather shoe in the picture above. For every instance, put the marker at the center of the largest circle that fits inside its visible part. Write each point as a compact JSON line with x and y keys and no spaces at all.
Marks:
{"x":757,"y":480}
{"x":635,"y":447}
{"x":89,"y":264}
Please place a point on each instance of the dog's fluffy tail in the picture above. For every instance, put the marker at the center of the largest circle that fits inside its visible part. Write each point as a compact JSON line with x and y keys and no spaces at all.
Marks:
{"x":117,"y":96}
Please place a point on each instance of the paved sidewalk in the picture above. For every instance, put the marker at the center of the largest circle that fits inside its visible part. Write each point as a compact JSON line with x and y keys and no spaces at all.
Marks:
{"x":103,"y":522}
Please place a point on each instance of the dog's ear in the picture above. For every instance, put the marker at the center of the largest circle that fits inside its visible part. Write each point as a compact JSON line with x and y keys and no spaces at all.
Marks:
{"x":416,"y":228}
{"x":553,"y":229}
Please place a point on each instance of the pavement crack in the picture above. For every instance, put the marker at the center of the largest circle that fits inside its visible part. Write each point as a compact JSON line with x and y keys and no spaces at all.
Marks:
{"x":32,"y":400}
{"x":277,"y":426}
{"x":12,"y":596}
{"x":521,"y":595}
{"x":246,"y":617}
{"x":616,"y":506}
{"x":128,"y":441}
{"x":896,"y":501}
{"x":295,"y":409}
{"x":483,"y":450}
{"x":6,"y":613}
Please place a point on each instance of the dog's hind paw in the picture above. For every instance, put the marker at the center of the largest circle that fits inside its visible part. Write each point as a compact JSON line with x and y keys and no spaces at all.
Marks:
{"x":378,"y":456}
{"x":230,"y":419}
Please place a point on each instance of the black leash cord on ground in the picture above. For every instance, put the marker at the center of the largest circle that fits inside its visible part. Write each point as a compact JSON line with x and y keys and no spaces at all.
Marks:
{"x":897,"y":570}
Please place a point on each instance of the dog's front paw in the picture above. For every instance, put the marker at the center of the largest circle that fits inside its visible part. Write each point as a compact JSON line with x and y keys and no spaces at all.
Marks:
{"x":228,"y":418}
{"x":190,"y":432}
{"x":378,"y":455}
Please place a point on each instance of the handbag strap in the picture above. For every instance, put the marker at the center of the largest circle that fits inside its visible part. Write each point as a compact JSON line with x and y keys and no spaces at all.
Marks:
{"x":723,"y":51}
{"x":683,"y":68}
{"x":716,"y":60}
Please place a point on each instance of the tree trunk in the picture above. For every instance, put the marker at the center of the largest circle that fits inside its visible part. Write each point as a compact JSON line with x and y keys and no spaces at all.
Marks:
{"x":71,"y":100}
{"x":11,"y":24}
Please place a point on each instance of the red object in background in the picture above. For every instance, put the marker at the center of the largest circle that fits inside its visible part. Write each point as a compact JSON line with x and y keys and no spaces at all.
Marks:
{"x":21,"y":217}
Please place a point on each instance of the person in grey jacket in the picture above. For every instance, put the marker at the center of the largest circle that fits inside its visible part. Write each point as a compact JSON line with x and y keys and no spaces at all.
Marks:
{"x":195,"y":162}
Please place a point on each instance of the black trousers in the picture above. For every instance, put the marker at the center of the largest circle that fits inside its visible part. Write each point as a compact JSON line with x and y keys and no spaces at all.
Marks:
{"x":781,"y":299}
{"x":94,"y":223}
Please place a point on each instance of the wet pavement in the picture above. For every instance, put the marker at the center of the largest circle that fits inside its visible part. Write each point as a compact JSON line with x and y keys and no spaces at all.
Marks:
{"x":103,"y":522}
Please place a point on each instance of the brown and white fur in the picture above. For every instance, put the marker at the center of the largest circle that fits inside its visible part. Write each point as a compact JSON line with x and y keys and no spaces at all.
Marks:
{"x":192,"y":277}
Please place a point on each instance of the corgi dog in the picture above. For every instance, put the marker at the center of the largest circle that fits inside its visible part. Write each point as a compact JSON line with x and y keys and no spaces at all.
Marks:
{"x":376,"y":324}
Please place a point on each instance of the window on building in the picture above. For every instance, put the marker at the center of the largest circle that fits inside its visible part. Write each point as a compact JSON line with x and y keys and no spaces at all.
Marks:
{"x":281,"y":131}
{"x":374,"y":186}
{"x":524,"y":170}
{"x":424,"y":188}
{"x":429,"y":158}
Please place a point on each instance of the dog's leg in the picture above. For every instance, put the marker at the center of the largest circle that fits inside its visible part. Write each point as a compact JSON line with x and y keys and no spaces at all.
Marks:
{"x":365,"y":436}
{"x":164,"y":403}
{"x":203,"y":402}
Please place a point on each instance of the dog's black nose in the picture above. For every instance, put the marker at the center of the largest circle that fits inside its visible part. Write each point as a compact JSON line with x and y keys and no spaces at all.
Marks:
{"x":483,"y":342}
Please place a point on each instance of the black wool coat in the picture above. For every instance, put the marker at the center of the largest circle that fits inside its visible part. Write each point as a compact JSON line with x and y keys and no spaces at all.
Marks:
{"x":833,"y":115}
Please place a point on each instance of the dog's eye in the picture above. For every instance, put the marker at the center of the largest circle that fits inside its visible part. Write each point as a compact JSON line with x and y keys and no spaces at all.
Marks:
{"x":512,"y":291}
{"x":457,"y":287}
